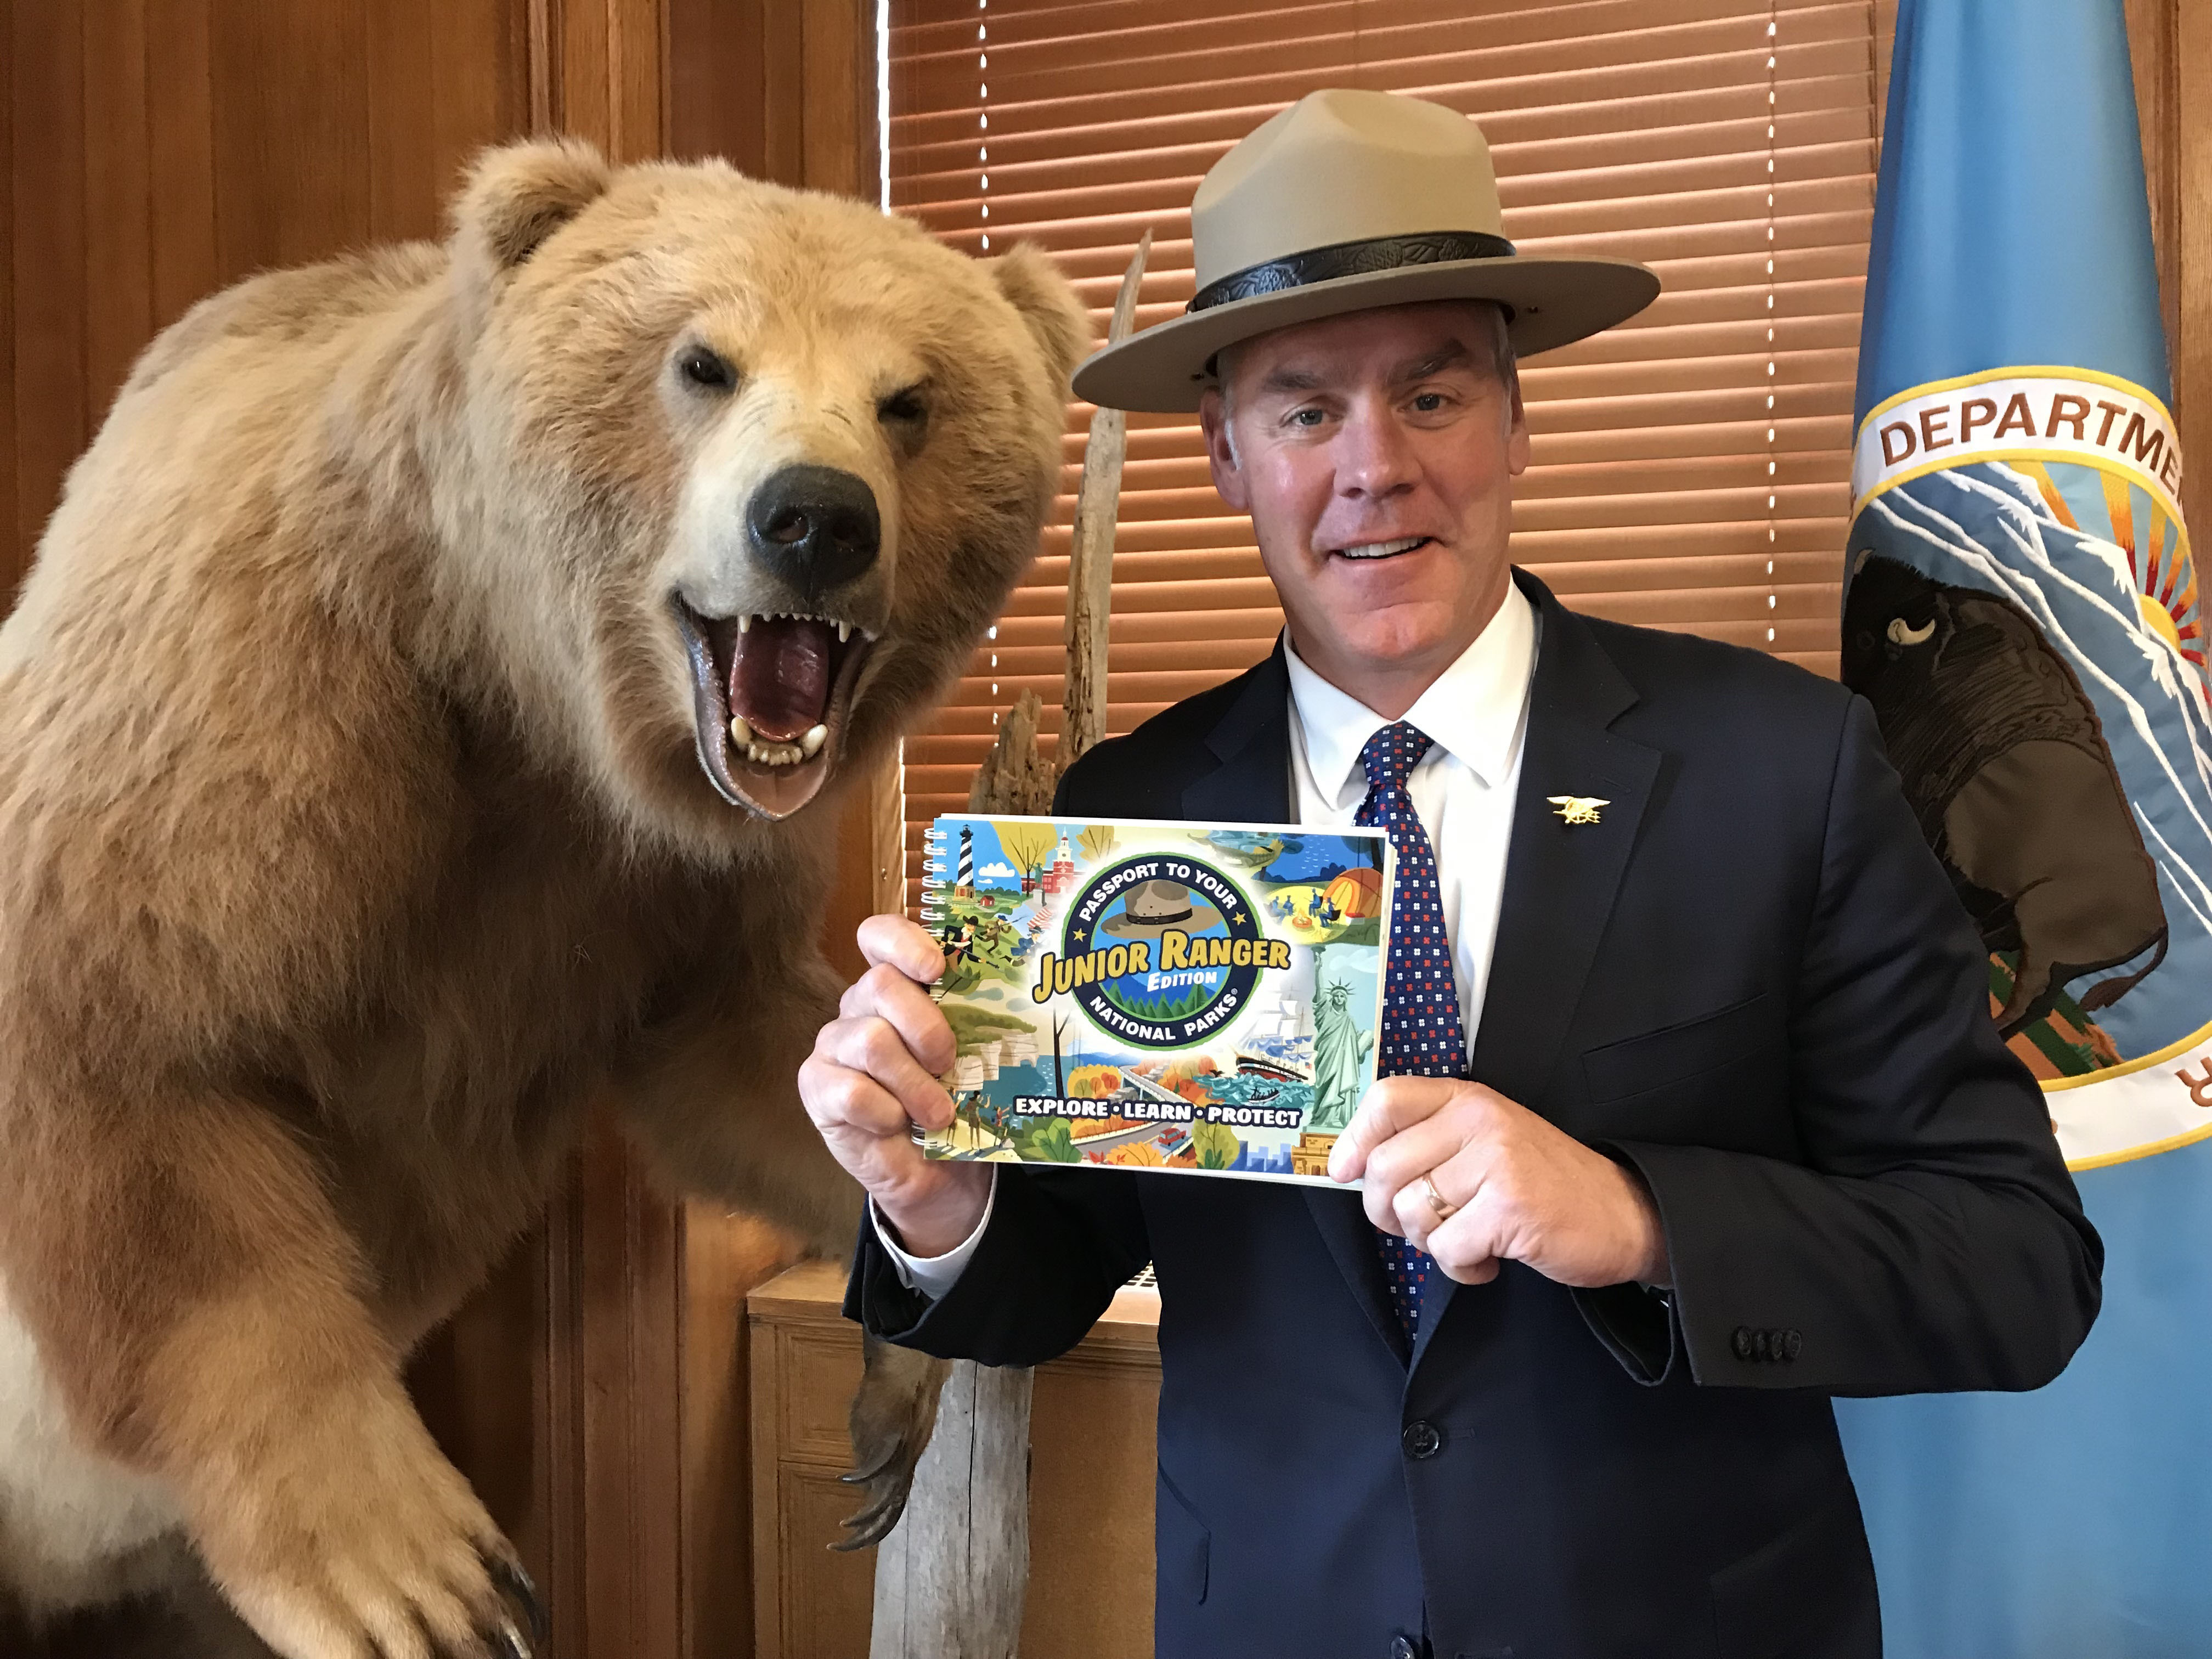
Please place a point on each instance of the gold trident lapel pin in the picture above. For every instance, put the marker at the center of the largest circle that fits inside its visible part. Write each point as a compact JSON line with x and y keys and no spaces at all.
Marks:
{"x":1577,"y":809}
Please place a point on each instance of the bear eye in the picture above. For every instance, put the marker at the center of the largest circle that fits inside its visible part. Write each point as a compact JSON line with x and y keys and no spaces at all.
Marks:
{"x":707,"y":368}
{"x":905,"y":405}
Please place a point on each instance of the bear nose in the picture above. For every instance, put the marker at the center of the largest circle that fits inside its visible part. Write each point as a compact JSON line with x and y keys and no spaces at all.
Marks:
{"x":815,"y":527}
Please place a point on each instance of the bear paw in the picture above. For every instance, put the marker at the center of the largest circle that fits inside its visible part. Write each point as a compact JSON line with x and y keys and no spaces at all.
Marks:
{"x":375,"y":1548}
{"x":893,"y":1412}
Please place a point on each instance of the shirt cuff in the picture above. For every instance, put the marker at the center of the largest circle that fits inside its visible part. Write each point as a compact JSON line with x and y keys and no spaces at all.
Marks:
{"x":932,"y":1275}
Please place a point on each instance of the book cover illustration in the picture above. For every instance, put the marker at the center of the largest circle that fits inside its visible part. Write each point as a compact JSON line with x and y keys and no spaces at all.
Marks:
{"x":1183,"y":996}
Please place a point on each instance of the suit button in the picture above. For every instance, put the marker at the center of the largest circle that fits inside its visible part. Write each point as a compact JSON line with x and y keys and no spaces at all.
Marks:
{"x":1403,"y":1647}
{"x":1422,"y":1439}
{"x":1741,"y":1341}
{"x":1793,"y":1344}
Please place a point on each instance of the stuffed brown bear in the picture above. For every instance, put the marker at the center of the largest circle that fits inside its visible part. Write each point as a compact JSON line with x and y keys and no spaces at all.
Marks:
{"x":426,"y":717}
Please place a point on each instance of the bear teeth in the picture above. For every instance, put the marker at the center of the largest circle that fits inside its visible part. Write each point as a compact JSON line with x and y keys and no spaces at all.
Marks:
{"x":845,"y":629}
{"x":774,"y":754}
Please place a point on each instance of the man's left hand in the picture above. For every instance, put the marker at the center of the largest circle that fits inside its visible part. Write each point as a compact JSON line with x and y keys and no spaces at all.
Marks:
{"x":1516,"y":1188}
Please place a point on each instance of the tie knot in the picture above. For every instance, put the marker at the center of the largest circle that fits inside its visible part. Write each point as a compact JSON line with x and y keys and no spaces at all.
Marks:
{"x":1390,"y":755}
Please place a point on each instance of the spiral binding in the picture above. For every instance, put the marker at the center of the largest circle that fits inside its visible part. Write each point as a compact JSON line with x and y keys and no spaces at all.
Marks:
{"x":933,"y":880}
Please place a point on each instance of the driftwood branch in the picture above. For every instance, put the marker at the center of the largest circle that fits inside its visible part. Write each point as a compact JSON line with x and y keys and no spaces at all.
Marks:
{"x":1091,"y":558}
{"x":1014,"y":777}
{"x":953,"y":1576}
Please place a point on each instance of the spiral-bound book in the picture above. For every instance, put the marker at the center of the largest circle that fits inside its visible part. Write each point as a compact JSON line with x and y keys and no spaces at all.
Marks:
{"x":1149,"y":994}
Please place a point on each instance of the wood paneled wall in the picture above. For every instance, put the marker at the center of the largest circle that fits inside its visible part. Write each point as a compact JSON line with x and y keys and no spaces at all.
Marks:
{"x":2170,"y":42}
{"x":162,"y":148}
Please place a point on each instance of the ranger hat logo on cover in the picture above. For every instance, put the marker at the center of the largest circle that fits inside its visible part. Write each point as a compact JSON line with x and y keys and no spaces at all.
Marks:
{"x":1195,"y":950}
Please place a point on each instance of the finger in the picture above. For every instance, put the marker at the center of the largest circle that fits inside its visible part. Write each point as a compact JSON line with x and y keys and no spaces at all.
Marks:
{"x":1410,"y":1214}
{"x":1389,"y":1106}
{"x":873,"y":1046}
{"x":906,"y":945}
{"x":883,"y":992}
{"x":1394,"y":1169}
{"x":1465,"y":1247}
{"x":845,"y":1098}
{"x":865,"y":1127}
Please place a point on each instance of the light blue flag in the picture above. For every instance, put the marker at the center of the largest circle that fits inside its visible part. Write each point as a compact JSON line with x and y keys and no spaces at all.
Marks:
{"x":2021,"y":609}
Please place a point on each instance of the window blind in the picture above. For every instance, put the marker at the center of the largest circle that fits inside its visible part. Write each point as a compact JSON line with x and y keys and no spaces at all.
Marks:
{"x":1690,"y":468}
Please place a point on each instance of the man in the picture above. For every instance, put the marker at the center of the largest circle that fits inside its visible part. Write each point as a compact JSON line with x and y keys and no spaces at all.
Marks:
{"x":1715,"y":1123}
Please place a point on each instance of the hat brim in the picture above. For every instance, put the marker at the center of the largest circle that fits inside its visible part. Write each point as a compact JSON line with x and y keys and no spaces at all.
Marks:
{"x":1201,"y":918}
{"x":1554,"y":303}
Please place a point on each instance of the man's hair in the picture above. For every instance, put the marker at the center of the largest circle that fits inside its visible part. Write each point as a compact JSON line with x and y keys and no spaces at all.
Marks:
{"x":1502,"y":362}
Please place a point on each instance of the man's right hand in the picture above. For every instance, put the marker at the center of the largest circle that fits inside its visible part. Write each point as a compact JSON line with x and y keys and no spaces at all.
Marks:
{"x":875,"y":1067}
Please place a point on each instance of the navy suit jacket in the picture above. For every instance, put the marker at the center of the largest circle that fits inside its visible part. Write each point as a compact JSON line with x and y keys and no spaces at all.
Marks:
{"x":1750,"y":980}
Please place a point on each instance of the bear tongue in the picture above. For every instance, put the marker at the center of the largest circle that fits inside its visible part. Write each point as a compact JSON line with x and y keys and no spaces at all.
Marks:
{"x":780,"y":676}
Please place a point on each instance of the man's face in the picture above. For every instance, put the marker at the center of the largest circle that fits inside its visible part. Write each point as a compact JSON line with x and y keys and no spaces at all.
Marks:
{"x":1376,"y":452}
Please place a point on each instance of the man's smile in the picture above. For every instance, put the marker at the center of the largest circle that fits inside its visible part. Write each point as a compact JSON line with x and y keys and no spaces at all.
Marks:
{"x":1381,"y":550}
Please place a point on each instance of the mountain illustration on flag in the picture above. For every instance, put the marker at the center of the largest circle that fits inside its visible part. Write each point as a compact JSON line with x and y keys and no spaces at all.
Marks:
{"x":2022,"y":610}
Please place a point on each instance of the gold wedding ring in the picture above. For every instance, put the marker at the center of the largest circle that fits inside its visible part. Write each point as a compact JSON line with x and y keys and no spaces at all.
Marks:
{"x":1444,"y":1212}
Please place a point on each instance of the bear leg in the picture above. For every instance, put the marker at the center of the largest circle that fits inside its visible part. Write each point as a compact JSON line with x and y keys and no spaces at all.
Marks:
{"x":203,"y":1316}
{"x":717,"y":1105}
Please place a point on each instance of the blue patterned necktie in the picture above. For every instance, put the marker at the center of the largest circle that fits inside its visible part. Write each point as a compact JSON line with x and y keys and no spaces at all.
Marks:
{"x":1421,"y":1036}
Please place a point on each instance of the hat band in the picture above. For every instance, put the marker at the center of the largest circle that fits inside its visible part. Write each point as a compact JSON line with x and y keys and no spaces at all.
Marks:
{"x":1160,"y":921}
{"x":1324,"y":265}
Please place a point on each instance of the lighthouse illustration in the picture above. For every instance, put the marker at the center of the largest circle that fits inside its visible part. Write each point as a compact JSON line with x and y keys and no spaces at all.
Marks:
{"x":965,"y":887}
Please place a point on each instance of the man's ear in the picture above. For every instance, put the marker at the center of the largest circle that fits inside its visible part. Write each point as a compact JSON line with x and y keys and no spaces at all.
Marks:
{"x":519,"y":195}
{"x":1032,"y":284}
{"x":1221,"y":451}
{"x":1517,"y":437}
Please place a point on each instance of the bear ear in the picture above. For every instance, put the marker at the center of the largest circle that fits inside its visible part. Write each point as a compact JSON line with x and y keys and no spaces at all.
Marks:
{"x":519,"y":195}
{"x":1034,"y":286}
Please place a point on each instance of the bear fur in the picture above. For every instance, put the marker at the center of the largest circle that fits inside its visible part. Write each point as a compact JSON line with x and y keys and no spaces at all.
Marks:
{"x":369,"y":814}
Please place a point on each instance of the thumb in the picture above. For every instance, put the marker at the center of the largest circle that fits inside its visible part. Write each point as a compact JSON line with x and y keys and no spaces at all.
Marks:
{"x":1391,"y":1105}
{"x":1370,"y":1128}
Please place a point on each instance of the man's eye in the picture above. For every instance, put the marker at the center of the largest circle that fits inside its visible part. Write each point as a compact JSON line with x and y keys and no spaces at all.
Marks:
{"x":1306,"y":418}
{"x":1429,"y":402}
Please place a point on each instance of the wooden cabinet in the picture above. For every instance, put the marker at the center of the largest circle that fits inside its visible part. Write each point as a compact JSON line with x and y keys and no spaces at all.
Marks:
{"x":1091,"y":1461}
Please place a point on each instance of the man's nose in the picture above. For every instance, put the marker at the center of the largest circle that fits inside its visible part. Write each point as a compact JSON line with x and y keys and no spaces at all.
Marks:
{"x":815,"y":527}
{"x":1374,"y":460}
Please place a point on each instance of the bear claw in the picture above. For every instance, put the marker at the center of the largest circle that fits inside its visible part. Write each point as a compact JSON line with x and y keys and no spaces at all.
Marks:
{"x":516,"y":1590}
{"x":893,"y":1413}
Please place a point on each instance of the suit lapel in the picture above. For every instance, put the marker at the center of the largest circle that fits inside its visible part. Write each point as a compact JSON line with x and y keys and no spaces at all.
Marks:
{"x":1560,"y":879}
{"x":1252,"y":742}
{"x":1350,"y":1239}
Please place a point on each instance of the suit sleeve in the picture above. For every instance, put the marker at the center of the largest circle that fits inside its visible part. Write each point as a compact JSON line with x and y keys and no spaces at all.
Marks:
{"x":1059,"y":1243}
{"x":1930,"y":1238}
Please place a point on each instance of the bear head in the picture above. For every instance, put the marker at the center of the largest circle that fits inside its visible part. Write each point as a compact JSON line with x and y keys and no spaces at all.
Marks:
{"x":743,"y":473}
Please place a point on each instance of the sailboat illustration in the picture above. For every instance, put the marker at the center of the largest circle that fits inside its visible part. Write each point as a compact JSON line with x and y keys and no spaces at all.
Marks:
{"x":1279,"y":1042}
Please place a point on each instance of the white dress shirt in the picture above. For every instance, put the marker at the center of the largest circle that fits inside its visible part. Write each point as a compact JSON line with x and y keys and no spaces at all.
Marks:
{"x":1476,"y":714}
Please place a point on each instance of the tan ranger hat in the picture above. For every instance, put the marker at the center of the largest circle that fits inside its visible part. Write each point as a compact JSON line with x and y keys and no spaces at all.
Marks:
{"x":1345,"y":201}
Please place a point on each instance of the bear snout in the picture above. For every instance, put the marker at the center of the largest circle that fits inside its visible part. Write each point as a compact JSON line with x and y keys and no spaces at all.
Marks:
{"x":814,"y":529}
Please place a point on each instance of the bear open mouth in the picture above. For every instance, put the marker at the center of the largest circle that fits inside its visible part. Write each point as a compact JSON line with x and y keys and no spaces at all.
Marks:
{"x":770,"y":696}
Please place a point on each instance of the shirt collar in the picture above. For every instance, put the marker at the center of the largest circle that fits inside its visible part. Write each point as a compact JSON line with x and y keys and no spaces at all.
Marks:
{"x":1473,"y":710}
